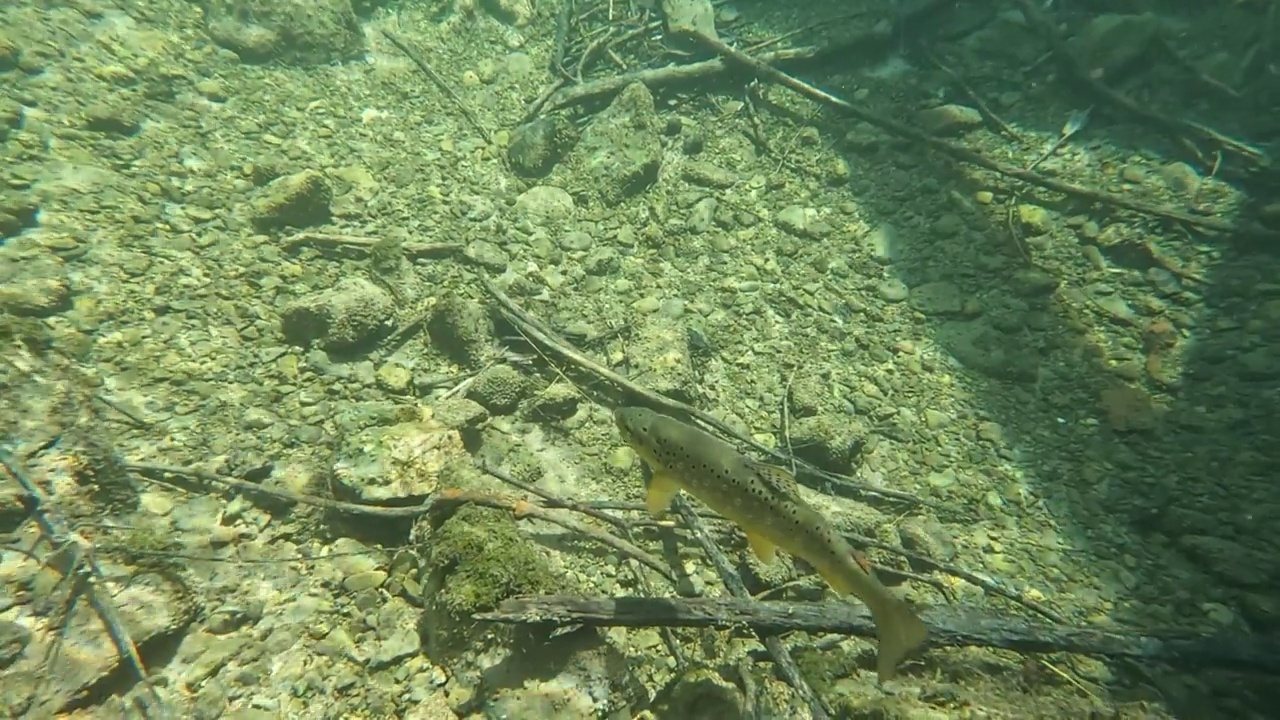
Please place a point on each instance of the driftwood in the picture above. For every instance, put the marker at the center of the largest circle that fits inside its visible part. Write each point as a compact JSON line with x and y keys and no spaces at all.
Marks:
{"x":948,"y":627}
{"x":366,"y":245}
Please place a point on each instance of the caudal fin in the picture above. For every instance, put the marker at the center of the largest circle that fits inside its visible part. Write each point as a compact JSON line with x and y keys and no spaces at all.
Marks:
{"x":899,"y":631}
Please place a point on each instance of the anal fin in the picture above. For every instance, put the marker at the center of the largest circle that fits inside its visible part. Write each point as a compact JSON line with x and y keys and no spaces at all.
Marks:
{"x":762,"y":547}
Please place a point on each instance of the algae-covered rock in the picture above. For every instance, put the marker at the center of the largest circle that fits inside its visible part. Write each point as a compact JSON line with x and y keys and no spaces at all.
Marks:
{"x":35,"y":284}
{"x":830,"y":441}
{"x":538,"y":145}
{"x":1112,"y":45}
{"x":477,"y":558}
{"x":700,"y":693}
{"x":558,"y":401}
{"x":341,"y":319}
{"x":298,"y":200}
{"x":17,"y":213}
{"x":303,"y":32}
{"x":620,"y":152}
{"x":516,"y":13}
{"x":660,"y":352}
{"x":400,"y":463}
{"x":462,"y":330}
{"x":499,"y":389}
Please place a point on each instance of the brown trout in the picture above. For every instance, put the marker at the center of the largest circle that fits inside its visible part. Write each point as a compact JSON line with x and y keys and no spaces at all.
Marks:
{"x":763,"y":501}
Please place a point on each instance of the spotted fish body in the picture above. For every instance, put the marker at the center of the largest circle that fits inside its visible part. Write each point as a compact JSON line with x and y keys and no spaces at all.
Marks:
{"x":763,"y":501}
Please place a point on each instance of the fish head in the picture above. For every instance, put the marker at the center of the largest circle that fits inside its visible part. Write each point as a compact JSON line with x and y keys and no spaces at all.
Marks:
{"x":638,"y":428}
{"x":634,"y":423}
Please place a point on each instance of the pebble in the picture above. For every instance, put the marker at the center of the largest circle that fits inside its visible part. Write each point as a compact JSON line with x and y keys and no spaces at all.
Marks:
{"x":395,"y":378}
{"x":938,"y":298}
{"x":155,"y":503}
{"x":545,"y":202}
{"x":801,"y":222}
{"x":893,"y":290}
{"x":948,"y":118}
{"x":1113,"y":305}
{"x":884,"y":244}
{"x":947,"y":225}
{"x":943,"y":479}
{"x":646,"y":305}
{"x":1034,"y":219}
{"x":367,"y":580}
{"x":1180,"y":177}
{"x":927,"y":537}
{"x":1093,"y":256}
{"x":993,"y":499}
{"x":936,"y":419}
{"x":256,"y":418}
{"x":1133,"y":174}
{"x":702,"y":216}
{"x":622,"y":457}
{"x":708,"y":175}
{"x":575,"y":241}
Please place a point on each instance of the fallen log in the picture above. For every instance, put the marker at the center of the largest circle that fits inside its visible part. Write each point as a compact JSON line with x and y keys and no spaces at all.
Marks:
{"x":948,"y":627}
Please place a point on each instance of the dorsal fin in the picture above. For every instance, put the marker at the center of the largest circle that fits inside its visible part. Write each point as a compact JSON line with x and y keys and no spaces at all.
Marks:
{"x":779,"y":479}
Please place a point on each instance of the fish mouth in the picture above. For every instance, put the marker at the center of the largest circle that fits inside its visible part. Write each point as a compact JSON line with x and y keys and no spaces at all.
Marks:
{"x":620,"y":419}
{"x":624,"y":418}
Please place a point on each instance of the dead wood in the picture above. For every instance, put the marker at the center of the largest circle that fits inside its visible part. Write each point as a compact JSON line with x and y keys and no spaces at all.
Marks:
{"x":948,"y":627}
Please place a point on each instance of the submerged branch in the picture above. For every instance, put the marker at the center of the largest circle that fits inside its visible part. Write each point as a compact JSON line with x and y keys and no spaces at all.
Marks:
{"x":948,"y":627}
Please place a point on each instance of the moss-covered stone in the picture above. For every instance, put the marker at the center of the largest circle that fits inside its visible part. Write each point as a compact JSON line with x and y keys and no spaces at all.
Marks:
{"x":478,"y":558}
{"x":822,"y":668}
{"x":344,"y":318}
{"x":298,"y":200}
{"x":700,"y":693}
{"x":462,"y":330}
{"x":499,"y":389}
{"x":828,"y":441}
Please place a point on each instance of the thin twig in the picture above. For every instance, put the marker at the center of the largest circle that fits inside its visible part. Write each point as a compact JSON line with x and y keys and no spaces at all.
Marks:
{"x":988,"y":585}
{"x":550,"y":500}
{"x":364,"y":244}
{"x":1077,"y":73}
{"x":523,"y":508}
{"x":440,"y":500}
{"x":440,"y":83}
{"x":983,"y":108}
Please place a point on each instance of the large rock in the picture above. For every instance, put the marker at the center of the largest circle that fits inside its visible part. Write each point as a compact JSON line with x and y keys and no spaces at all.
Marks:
{"x":342,"y":319}
{"x":301,"y":32}
{"x":620,"y":152}
{"x":33,"y":282}
{"x":398,"y":464}
{"x":298,"y":200}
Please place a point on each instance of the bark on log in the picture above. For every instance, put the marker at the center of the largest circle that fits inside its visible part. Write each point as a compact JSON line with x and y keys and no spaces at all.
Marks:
{"x":949,"y":627}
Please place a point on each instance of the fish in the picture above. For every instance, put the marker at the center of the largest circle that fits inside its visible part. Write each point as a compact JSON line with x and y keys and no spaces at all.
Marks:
{"x":764,"y":502}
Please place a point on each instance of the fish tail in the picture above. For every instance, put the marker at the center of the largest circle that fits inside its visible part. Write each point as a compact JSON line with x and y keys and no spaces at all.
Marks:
{"x":899,"y":630}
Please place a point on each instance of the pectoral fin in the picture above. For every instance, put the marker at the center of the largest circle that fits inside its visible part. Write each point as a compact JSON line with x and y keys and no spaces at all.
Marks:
{"x":763,"y":549}
{"x":662,"y":490}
